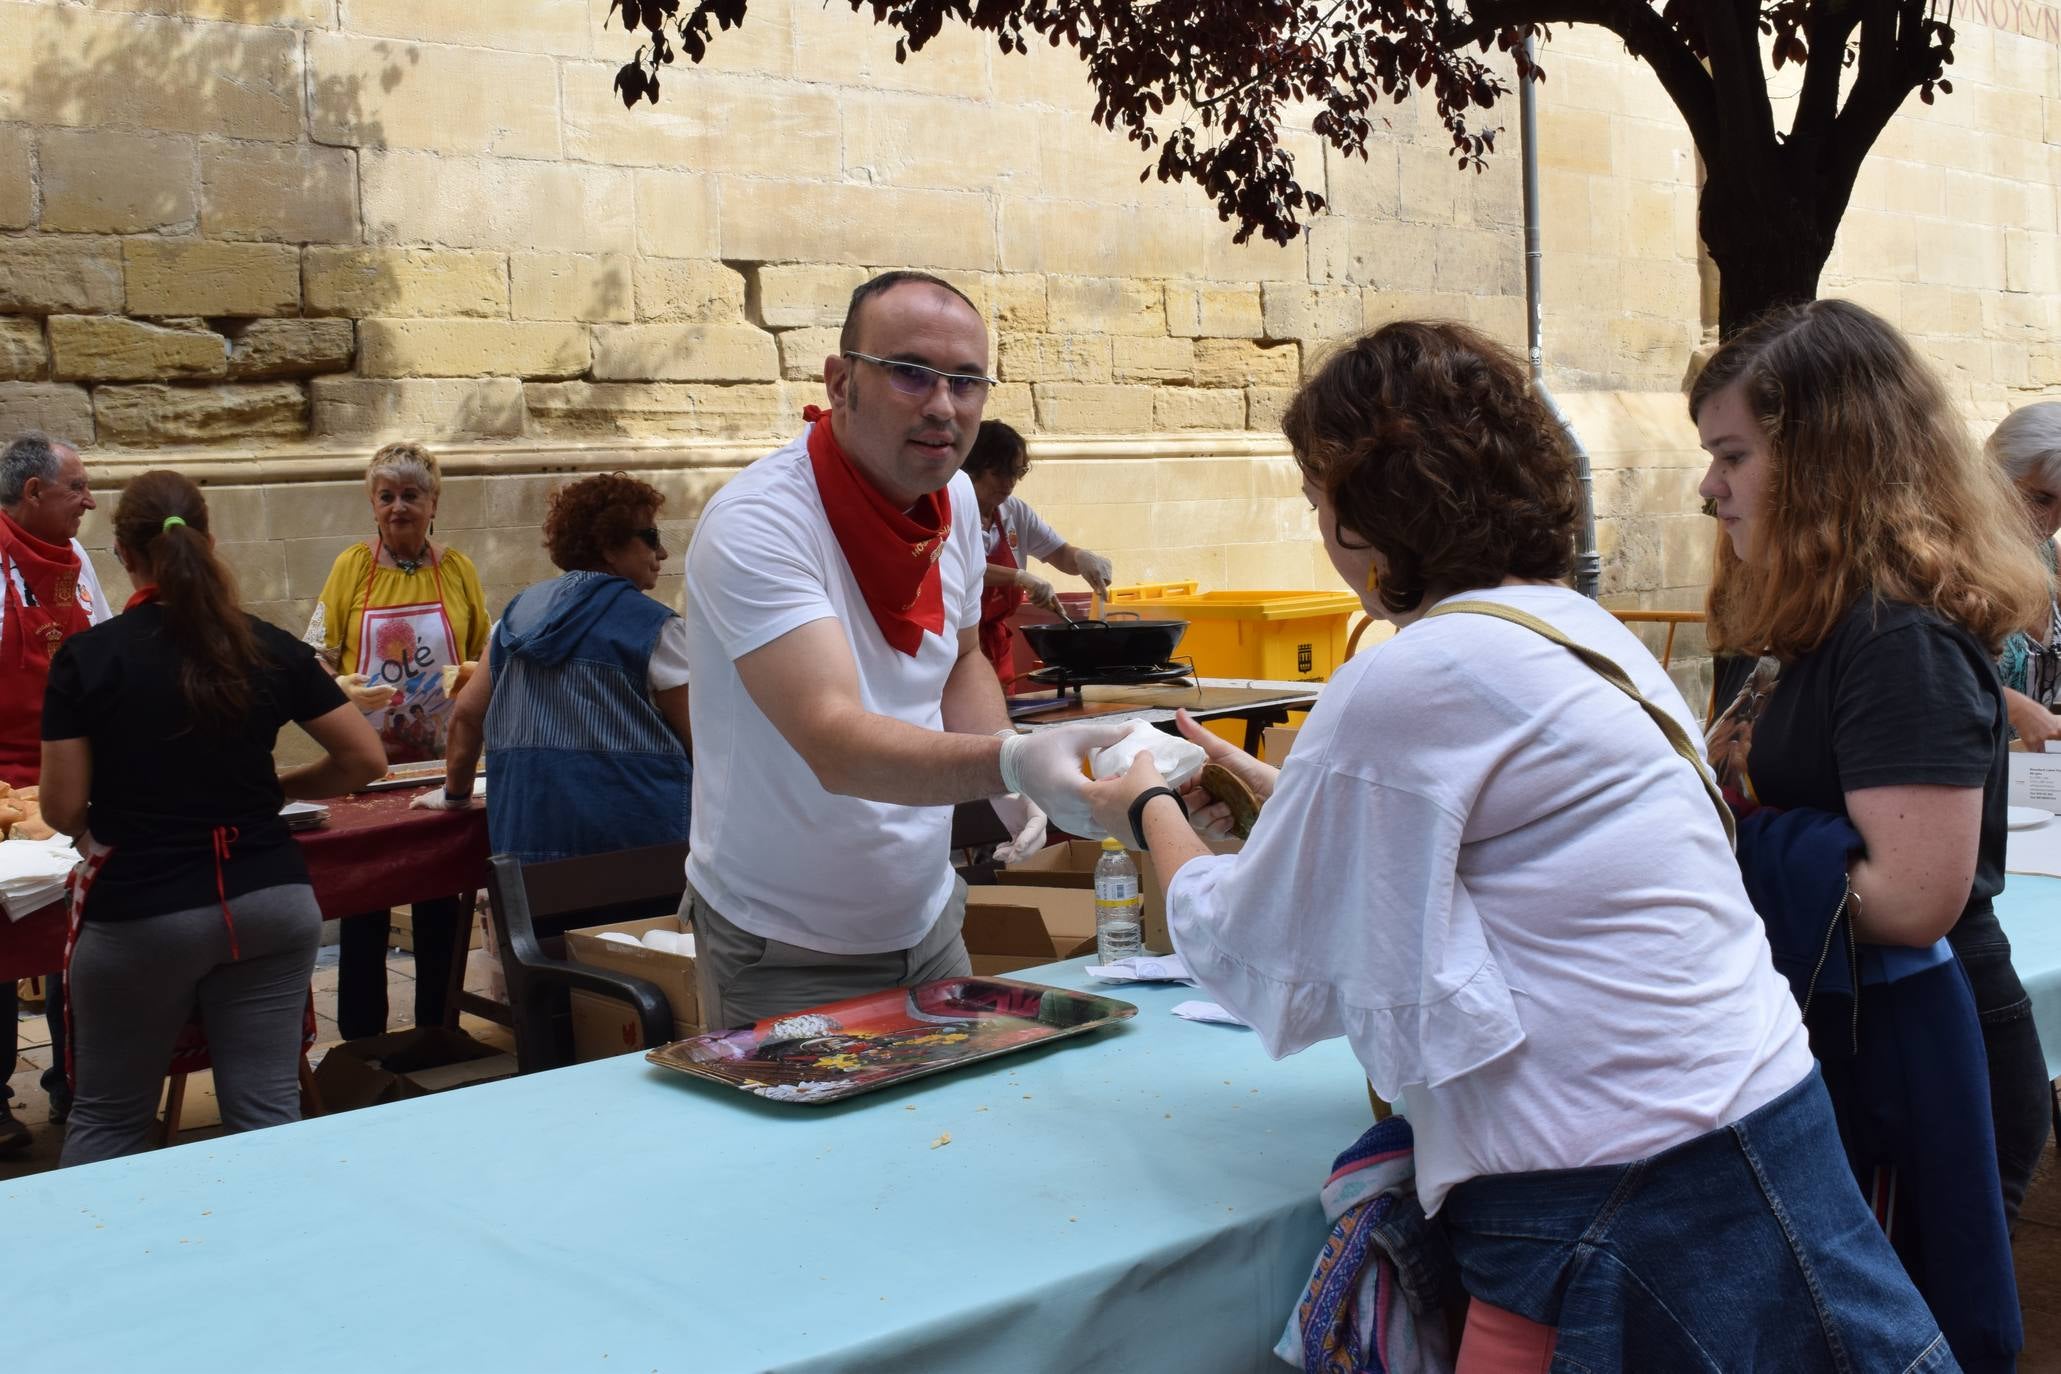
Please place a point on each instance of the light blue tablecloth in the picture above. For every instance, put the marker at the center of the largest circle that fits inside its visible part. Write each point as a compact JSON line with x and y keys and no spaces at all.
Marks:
{"x":2030,"y":912}
{"x":1142,"y":1198}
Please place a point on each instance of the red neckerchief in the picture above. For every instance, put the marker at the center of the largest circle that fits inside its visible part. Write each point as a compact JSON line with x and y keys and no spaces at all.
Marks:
{"x":894,"y":554}
{"x":142,"y":595}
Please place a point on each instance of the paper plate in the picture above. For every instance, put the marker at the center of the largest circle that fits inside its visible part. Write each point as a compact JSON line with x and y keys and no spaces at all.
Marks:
{"x":2026,"y":817}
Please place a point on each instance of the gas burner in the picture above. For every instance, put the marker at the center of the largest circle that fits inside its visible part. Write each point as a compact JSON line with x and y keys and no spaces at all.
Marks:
{"x":1123,"y":675}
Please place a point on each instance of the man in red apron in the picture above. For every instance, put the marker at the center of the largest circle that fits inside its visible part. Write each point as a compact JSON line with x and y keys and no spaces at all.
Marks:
{"x":47,"y":594}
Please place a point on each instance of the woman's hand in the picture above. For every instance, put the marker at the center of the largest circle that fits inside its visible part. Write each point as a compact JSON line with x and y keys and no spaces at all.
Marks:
{"x":364,"y":695}
{"x":1210,"y":817}
{"x":2034,"y":723}
{"x":1111,"y":799}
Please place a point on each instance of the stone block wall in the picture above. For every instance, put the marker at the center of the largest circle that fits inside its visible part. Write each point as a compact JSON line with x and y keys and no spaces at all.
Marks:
{"x":254,"y":238}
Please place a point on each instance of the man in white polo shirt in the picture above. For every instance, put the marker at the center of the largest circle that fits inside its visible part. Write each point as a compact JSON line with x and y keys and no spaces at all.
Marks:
{"x":841,"y":702}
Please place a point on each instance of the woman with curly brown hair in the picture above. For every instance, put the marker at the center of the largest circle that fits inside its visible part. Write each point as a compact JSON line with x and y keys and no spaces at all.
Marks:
{"x":582,"y":693}
{"x":1497,"y":865}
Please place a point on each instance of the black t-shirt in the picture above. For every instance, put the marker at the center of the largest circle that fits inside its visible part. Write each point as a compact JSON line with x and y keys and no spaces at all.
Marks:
{"x":1894,"y":696}
{"x":161,"y":785}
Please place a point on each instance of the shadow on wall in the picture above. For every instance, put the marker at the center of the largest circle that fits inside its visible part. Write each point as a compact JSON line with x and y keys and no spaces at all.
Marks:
{"x":166,"y":289}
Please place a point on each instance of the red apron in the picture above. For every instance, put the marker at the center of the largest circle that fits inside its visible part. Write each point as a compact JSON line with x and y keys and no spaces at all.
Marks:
{"x":997,"y":604}
{"x":29,"y":636}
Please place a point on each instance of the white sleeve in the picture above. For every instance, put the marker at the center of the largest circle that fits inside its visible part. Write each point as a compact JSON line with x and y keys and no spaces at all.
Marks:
{"x":1345,"y":915}
{"x":669,"y":656}
{"x":972,"y":556}
{"x":98,"y":610}
{"x":1033,"y":536}
{"x":750,"y":577}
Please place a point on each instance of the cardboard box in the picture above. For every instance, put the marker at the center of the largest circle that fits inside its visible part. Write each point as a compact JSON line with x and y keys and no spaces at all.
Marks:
{"x":1020,"y":926}
{"x":401,"y":932}
{"x":1072,"y":866}
{"x":404,"y":1064}
{"x":602,"y":1026}
{"x":1276,"y":742}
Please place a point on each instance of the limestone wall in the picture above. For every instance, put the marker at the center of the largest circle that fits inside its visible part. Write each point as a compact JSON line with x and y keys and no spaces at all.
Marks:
{"x":255,"y":237}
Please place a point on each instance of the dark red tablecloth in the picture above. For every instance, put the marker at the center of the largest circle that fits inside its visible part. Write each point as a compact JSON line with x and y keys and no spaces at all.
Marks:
{"x":372,"y":853}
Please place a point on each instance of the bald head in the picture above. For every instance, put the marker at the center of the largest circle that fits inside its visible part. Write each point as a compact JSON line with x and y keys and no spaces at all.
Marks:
{"x":854,"y":328}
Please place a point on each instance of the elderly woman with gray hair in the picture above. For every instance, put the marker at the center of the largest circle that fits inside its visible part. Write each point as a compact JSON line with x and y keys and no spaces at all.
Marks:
{"x":397,"y":610}
{"x":2028,"y":447}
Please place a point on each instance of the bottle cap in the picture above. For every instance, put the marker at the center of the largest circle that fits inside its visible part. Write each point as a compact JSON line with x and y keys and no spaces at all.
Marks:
{"x":1112,"y":845}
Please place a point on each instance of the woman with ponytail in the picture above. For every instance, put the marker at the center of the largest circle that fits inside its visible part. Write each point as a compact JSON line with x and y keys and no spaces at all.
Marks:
{"x":158,"y":730}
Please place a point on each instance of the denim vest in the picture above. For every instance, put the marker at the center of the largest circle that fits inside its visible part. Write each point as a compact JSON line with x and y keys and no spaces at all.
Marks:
{"x":583,"y":761}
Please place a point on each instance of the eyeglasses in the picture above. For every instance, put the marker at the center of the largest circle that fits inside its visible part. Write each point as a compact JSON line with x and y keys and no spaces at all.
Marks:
{"x":649,"y":535}
{"x":914,"y":379}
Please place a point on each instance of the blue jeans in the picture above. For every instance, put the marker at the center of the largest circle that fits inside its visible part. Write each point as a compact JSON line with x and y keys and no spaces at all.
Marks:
{"x":1749,"y":1248}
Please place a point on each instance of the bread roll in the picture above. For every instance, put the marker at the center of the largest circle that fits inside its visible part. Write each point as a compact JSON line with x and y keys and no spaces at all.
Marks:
{"x":456,"y":675}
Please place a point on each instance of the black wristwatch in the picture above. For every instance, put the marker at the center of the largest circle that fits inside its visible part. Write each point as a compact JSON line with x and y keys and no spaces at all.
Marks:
{"x":1138,"y":805}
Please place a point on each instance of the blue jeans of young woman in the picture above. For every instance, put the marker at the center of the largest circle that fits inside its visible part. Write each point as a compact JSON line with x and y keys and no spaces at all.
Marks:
{"x":1749,"y":1248}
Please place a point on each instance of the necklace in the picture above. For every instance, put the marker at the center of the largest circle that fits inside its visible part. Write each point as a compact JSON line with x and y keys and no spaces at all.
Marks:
{"x":408,"y":566}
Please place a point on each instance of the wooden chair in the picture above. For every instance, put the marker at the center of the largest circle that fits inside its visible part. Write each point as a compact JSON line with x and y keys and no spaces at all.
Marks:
{"x":535,"y":904}
{"x":186,"y":1060}
{"x":1674,"y":620}
{"x":1352,"y":644}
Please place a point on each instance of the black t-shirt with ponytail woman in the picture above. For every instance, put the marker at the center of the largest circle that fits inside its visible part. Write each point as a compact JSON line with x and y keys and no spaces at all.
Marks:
{"x":162,"y":782}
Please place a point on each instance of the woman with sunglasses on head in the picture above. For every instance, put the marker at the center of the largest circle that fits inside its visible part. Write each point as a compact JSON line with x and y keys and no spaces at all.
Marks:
{"x":582,"y":693}
{"x":1513,"y":893}
{"x":2027,"y":445}
{"x":398,"y":608}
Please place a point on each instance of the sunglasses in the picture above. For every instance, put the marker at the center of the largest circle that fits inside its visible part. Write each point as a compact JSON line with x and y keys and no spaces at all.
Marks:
{"x":914,"y":379}
{"x":649,"y":534}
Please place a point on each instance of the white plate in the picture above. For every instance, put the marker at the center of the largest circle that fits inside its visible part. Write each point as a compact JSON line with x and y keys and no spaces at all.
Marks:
{"x":2026,"y":817}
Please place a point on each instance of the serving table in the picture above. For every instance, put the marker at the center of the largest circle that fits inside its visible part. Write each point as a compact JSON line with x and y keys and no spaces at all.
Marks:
{"x":372,"y":853}
{"x":1145,"y":1197}
{"x":1258,"y":702}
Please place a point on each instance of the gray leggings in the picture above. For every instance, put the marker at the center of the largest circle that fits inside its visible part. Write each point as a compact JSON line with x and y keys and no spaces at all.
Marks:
{"x":133,"y":985}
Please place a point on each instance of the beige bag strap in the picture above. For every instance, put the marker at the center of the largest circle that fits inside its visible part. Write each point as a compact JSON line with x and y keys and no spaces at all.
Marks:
{"x":1615,"y":676}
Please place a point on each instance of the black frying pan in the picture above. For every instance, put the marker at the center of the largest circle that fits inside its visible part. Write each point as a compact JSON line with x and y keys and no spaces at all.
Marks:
{"x":1087,"y":646}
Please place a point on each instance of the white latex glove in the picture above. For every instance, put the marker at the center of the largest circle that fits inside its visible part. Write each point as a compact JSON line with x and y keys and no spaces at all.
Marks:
{"x":1096,"y":570}
{"x":1178,"y":760}
{"x":1025,"y":821}
{"x":1047,"y":768}
{"x":435,"y":800}
{"x":1036,"y":589}
{"x":363,"y":695}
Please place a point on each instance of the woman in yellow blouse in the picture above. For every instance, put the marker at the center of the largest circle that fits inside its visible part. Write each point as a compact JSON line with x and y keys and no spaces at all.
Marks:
{"x":398,"y":609}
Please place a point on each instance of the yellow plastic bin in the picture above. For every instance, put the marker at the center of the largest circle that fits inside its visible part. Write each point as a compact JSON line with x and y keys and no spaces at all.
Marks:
{"x":1280,"y":636}
{"x":1274,"y":635}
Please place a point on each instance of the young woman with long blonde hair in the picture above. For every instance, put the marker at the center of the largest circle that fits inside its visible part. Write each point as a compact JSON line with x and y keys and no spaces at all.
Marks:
{"x":1875,"y":564}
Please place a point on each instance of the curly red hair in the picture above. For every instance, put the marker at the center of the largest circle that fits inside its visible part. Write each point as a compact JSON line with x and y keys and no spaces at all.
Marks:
{"x":594,"y":515}
{"x":1432,"y":448}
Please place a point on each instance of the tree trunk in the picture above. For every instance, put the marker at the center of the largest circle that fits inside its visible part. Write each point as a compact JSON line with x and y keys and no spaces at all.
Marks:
{"x":1769,"y":250}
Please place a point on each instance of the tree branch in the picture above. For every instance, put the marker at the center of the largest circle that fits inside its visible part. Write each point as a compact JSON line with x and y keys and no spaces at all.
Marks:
{"x":1741,"y":83}
{"x":1830,"y":24}
{"x":1896,"y":57}
{"x":1649,"y":37}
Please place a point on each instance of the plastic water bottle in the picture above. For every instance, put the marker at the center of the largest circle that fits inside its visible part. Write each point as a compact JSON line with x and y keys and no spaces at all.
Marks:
{"x":1119,"y":907}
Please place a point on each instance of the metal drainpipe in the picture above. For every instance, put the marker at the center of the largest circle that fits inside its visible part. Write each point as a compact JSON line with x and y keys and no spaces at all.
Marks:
{"x":1588,"y":566}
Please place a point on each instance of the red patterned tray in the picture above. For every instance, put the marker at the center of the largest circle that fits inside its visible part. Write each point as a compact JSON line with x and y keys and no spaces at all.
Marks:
{"x":842,"y":1049}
